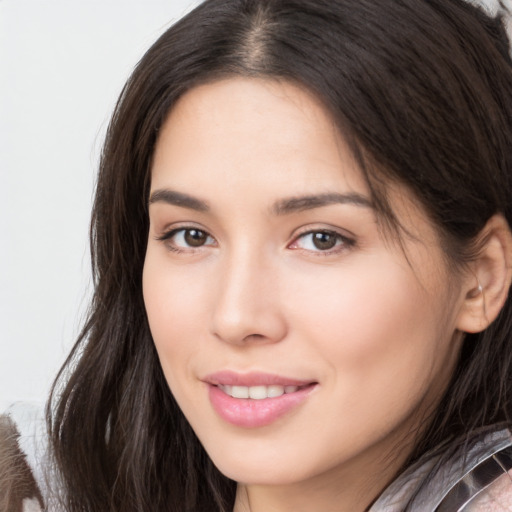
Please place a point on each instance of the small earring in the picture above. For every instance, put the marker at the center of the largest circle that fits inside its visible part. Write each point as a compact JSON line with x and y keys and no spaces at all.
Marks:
{"x":475,"y":292}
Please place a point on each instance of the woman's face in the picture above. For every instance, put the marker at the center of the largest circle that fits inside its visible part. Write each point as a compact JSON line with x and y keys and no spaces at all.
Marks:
{"x":299,"y":341}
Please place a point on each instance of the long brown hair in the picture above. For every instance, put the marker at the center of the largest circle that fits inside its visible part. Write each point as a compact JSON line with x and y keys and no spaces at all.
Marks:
{"x":421,"y":90}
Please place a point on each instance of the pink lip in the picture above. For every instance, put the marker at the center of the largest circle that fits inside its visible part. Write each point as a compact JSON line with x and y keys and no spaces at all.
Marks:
{"x":229,"y":378}
{"x":249,"y":413}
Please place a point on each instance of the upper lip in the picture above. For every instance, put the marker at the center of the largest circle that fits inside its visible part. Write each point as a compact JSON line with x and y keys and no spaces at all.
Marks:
{"x":231,"y":378}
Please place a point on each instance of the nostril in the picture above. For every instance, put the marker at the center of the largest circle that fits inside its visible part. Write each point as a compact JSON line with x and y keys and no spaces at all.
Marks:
{"x":254,"y":337}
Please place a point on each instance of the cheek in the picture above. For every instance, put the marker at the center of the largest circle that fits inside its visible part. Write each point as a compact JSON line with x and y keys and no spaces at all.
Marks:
{"x":375,"y":325}
{"x":386,"y":348}
{"x":175,"y":306}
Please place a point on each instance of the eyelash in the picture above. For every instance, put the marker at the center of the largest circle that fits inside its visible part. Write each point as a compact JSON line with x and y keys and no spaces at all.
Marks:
{"x":342,"y":242}
{"x":168,"y":237}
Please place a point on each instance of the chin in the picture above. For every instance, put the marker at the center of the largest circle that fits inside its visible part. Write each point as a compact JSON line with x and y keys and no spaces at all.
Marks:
{"x":262,"y":467}
{"x":256,"y":475}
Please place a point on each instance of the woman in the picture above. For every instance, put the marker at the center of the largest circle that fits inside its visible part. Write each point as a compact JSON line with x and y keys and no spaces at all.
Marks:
{"x":302,"y":259}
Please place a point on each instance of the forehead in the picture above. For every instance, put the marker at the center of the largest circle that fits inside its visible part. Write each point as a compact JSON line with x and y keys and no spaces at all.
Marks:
{"x":238,"y":128}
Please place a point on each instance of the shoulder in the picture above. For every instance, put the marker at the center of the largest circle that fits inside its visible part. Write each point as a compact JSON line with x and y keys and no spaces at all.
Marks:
{"x":22,"y":450}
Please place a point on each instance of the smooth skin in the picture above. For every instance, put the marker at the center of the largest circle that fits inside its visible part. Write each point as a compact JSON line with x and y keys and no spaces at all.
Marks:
{"x":253,"y":264}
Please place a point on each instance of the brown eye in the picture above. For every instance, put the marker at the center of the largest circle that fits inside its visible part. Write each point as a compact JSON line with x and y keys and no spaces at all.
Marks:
{"x":323,"y":240}
{"x":195,"y":237}
{"x":181,"y":239}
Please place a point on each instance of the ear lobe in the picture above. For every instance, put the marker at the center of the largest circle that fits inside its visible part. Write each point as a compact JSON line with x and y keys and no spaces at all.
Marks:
{"x":489,"y":281}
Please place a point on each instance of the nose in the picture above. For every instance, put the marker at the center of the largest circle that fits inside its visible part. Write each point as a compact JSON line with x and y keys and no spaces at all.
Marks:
{"x":247,"y":305}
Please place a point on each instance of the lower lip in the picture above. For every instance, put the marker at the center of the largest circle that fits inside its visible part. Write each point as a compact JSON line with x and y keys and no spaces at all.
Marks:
{"x":249,"y":413}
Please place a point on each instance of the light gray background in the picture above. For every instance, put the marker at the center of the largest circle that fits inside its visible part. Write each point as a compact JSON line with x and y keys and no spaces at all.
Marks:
{"x":62,"y":66}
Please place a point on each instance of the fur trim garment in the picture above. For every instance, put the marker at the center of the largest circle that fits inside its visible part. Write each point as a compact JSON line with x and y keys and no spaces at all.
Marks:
{"x":19,"y":491}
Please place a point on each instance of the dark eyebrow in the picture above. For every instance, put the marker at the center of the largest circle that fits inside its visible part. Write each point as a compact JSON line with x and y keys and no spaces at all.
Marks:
{"x":298,"y":204}
{"x":178,"y":199}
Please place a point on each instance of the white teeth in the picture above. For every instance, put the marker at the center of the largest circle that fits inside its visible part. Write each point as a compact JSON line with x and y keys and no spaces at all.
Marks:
{"x":240,"y":392}
{"x":274,"y":391}
{"x":257,"y":392}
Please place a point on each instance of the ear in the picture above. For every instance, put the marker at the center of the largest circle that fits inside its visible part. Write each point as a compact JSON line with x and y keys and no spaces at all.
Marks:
{"x":488,"y":281}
